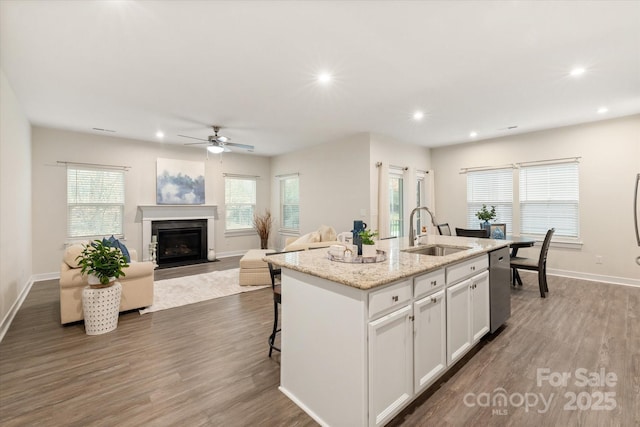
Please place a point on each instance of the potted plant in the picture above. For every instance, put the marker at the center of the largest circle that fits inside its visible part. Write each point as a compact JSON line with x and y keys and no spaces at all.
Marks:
{"x":368,"y":244}
{"x":103,"y":262}
{"x":486,"y":215}
{"x":262,"y":224}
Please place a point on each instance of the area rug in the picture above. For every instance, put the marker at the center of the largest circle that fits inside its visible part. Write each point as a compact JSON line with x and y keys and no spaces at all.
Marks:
{"x":180,"y":291}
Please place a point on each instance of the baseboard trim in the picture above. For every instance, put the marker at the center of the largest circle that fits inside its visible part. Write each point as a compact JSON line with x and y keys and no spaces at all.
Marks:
{"x":45,"y":276}
{"x":6,"y":322}
{"x":230,"y":254}
{"x":625,"y":281}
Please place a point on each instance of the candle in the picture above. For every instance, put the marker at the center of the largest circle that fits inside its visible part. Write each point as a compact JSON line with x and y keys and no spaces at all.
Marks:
{"x":154,"y":238}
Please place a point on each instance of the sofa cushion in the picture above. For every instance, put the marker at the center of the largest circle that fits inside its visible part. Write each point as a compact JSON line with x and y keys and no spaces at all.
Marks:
{"x":312,"y":237}
{"x":115,"y":243}
{"x":327,"y":233}
{"x":71,"y":254}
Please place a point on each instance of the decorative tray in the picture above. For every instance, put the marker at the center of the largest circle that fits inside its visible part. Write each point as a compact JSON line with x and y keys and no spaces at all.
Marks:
{"x":359,"y":259}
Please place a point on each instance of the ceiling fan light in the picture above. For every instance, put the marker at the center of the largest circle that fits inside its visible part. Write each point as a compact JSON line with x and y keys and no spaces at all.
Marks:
{"x":215,"y":149}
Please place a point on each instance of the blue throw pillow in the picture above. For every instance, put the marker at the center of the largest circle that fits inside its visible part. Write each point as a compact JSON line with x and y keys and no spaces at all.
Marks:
{"x":115,"y":243}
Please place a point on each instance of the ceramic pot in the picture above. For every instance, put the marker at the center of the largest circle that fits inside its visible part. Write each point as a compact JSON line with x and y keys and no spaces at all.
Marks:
{"x":101,"y":307}
{"x":369,"y":251}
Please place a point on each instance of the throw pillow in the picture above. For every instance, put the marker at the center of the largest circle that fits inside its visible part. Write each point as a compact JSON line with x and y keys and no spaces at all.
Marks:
{"x":71,"y":253}
{"x":115,"y":243}
{"x":327,"y":233}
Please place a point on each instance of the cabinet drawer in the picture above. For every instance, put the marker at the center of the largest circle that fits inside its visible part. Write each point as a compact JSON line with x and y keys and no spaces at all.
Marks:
{"x":467,"y":268}
{"x":429,"y":282}
{"x":384,"y":300}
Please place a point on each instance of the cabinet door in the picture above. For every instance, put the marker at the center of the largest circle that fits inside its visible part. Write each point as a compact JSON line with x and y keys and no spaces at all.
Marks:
{"x":390,"y":365}
{"x":458,"y":321}
{"x":430,"y":339}
{"x":480,"y":305}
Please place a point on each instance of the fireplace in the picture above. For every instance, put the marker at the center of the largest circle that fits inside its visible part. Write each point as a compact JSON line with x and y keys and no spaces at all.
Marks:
{"x":180,"y":242}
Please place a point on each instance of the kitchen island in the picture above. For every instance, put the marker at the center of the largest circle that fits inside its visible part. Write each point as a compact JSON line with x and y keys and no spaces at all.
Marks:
{"x":361,"y":341}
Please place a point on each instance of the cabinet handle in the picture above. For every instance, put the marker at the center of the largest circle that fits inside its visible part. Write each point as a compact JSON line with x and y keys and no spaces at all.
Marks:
{"x":412,"y":318}
{"x":433,"y":283}
{"x":434,"y":299}
{"x":473,"y":268}
{"x":394,"y":298}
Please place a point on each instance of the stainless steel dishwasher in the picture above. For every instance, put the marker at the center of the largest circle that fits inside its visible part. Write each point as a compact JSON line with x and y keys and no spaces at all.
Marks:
{"x":499,"y":287}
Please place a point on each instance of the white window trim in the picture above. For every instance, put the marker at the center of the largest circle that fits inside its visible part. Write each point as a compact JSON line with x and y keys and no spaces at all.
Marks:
{"x":245,"y":231}
{"x":284,"y":230}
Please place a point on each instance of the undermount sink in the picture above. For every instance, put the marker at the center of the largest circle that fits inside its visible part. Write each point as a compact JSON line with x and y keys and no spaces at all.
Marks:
{"x":435,"y":250}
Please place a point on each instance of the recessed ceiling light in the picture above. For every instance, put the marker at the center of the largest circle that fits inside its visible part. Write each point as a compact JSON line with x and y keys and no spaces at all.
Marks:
{"x":324,"y":78}
{"x":602,"y":110}
{"x":159,"y":134}
{"x":473,"y":134}
{"x":418,"y":115}
{"x":577,"y":72}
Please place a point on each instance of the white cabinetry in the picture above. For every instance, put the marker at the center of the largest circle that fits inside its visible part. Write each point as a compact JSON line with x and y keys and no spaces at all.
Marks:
{"x":480,"y":319}
{"x":467,"y":306}
{"x":430,"y":339}
{"x":458,"y":321}
{"x":390,"y":365}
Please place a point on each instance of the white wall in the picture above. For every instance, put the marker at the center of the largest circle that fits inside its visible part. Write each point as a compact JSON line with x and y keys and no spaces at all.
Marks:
{"x":49,"y":186}
{"x":392,"y":152}
{"x":610,"y":152}
{"x":334,"y":183}
{"x":15,"y":201}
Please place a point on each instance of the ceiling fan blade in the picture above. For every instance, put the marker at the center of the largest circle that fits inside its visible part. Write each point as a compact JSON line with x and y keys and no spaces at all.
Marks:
{"x":245,"y":146}
{"x":196,"y":143}
{"x":199,"y":139}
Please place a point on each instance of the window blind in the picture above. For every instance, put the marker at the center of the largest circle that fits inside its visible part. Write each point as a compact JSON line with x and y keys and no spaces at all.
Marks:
{"x":240,"y":202}
{"x":290,"y":203}
{"x":95,"y":202}
{"x":493,"y":188}
{"x":549,"y":198}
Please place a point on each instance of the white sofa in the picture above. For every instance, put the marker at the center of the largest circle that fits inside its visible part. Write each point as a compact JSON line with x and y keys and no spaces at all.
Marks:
{"x":324,"y":237}
{"x":137,"y":285}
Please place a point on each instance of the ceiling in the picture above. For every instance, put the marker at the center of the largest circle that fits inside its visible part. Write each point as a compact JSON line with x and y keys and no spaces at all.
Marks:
{"x":251,"y":67}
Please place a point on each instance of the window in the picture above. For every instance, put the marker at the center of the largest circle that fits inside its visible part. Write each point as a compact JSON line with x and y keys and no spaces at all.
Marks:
{"x":290,"y":203}
{"x":240,"y":202}
{"x":95,"y":202}
{"x":549,"y":199}
{"x":396,"y":202}
{"x":492,"y":188}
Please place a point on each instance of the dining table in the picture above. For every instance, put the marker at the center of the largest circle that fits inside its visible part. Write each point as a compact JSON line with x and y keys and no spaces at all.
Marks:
{"x":518,"y":242}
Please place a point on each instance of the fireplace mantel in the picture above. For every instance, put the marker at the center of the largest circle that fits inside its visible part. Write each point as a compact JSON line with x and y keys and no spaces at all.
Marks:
{"x":149,"y":213}
{"x":177,"y":212}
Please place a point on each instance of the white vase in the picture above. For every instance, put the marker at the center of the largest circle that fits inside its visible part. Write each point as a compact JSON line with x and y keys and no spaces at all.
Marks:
{"x":101,"y":307}
{"x":369,"y":251}
{"x":211,"y":255}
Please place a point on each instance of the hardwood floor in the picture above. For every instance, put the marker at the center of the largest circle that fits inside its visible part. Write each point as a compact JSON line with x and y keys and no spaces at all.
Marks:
{"x":206,"y":364}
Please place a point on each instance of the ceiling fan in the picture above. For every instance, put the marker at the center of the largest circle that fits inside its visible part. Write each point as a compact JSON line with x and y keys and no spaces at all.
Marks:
{"x":218,"y":143}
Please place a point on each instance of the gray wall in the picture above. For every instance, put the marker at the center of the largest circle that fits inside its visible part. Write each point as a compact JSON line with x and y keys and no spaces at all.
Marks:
{"x":610,"y":152}
{"x":49,"y":186}
{"x":15,"y":202}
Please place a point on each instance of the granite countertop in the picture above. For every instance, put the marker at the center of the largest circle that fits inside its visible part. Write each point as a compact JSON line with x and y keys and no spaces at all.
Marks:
{"x":398,"y":264}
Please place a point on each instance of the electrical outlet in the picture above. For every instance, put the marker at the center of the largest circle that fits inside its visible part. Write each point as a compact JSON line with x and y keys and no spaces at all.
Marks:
{"x":598,"y":259}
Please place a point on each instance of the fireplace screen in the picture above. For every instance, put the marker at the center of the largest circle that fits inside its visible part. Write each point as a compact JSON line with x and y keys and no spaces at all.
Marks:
{"x":180,"y":242}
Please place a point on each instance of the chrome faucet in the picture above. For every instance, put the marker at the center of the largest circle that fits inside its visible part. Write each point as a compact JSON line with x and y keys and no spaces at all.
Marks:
{"x":412,"y":236}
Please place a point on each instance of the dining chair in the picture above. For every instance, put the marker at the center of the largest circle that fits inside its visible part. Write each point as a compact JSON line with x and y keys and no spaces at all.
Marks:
{"x":276,"y":287}
{"x":276,"y":274}
{"x":473,"y":232}
{"x":539,"y":265}
{"x":444,"y":229}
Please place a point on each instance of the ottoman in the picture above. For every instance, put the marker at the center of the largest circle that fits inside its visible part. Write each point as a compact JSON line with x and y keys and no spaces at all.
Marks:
{"x":254,"y":271}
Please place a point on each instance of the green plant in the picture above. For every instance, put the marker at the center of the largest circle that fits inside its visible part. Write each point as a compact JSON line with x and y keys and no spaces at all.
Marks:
{"x":486,"y":214}
{"x":366,"y":236}
{"x":102,"y":260}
